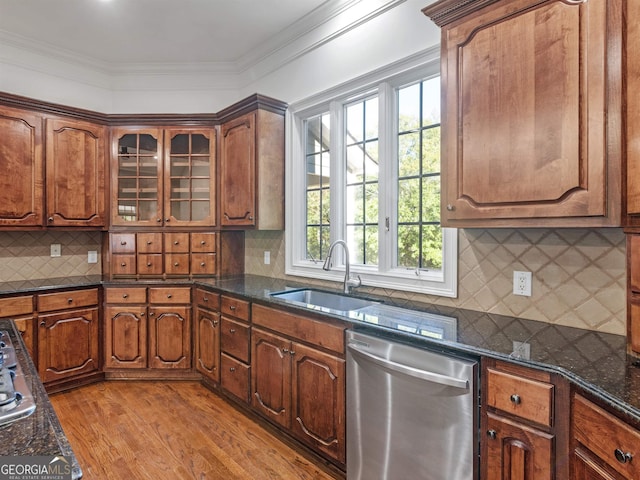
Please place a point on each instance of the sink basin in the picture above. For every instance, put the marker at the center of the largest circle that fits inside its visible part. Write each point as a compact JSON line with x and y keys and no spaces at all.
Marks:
{"x":324,"y":301}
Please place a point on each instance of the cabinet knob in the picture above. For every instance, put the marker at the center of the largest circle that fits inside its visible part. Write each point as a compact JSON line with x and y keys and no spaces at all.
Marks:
{"x":151,"y":314}
{"x":142,"y":314}
{"x":148,"y":264}
{"x":232,"y":369}
{"x":166,"y":219}
{"x":285,"y":350}
{"x":50,"y":219}
{"x":123,"y":242}
{"x":250,"y":217}
{"x":42,"y":323}
{"x":176,"y":264}
{"x":622,"y":457}
{"x":292,"y":352}
{"x":123,"y":264}
{"x":69,"y":301}
{"x":492,"y":434}
{"x":515,"y":399}
{"x":159,"y":220}
{"x":202,"y":242}
{"x":232,"y":330}
{"x":176,"y":242}
{"x":205,"y":299}
{"x":202,"y":264}
{"x":149,"y":242}
{"x":169,"y":295}
{"x":215,"y":323}
{"x":125,"y":295}
{"x":450,"y":207}
{"x":232,"y":307}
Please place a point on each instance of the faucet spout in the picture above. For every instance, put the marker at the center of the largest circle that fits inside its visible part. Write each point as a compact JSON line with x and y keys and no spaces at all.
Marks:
{"x":348,"y":281}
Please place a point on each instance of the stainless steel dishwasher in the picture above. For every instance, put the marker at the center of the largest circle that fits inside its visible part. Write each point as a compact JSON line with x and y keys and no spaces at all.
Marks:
{"x":411,"y":413}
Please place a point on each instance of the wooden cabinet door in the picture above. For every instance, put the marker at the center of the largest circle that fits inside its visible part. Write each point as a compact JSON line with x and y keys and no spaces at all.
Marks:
{"x":271,"y":376}
{"x":318,"y":406}
{"x":126,"y":336}
{"x":75,"y":163}
{"x":169,"y":337}
{"x":189,"y":177}
{"x":237,"y":171}
{"x":207,"y":343}
{"x":585,"y":468}
{"x":515,"y":451}
{"x":68,"y":344}
{"x":136,"y":177}
{"x":525,"y":123}
{"x":22,"y":179}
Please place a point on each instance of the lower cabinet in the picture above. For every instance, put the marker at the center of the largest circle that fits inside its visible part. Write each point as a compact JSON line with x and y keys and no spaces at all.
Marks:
{"x":207,"y":334}
{"x":147,"y":328}
{"x":604,"y":447}
{"x":21,"y":310}
{"x":68,"y":336}
{"x":523,"y":438}
{"x":297,"y":385}
{"x":235,"y":337}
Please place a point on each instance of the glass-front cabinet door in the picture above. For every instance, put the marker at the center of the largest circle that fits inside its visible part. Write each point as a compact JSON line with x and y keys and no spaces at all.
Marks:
{"x":137,"y":178}
{"x":189,"y":177}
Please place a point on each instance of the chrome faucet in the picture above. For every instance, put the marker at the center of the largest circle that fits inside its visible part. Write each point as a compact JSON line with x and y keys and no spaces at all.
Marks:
{"x":348,"y":281}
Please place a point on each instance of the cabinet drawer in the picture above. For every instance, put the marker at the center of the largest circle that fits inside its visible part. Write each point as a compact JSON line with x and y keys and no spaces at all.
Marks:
{"x":150,"y":264}
{"x":16,"y":306}
{"x":207,"y":299}
{"x":319,"y":333}
{"x":169,"y":295}
{"x":125,"y":295}
{"x":176,"y":264}
{"x":607,"y":436}
{"x":123,"y":243}
{"x":63,"y":300}
{"x":149,"y":242}
{"x":234,"y":307}
{"x":234,"y":338}
{"x":234,"y":377}
{"x":122,"y":264}
{"x":203,"y":264}
{"x":176,"y":242}
{"x":529,"y":399}
{"x":203,"y":242}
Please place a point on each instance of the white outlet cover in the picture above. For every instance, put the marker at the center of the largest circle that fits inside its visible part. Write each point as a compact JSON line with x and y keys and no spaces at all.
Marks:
{"x":56,"y":250}
{"x":267,"y":257}
{"x":522,"y":283}
{"x":92,"y":256}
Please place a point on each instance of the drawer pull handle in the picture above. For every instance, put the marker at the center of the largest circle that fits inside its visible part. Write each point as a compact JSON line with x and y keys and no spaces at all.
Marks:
{"x":232,"y":307}
{"x":621,"y":456}
{"x":176,"y":242}
{"x":215,"y":323}
{"x":515,"y":399}
{"x":69,"y":300}
{"x":169,"y":295}
{"x":176,"y":264}
{"x":232,"y":369}
{"x":123,"y":242}
{"x":202,"y":264}
{"x":148,"y":264}
{"x":232,"y":330}
{"x":285,"y":350}
{"x":158,"y":220}
{"x":125,"y":295}
{"x":202,"y":242}
{"x":292,"y":352}
{"x":492,"y":434}
{"x":149,"y":242}
{"x":450,"y":207}
{"x":205,"y":299}
{"x":123,"y":264}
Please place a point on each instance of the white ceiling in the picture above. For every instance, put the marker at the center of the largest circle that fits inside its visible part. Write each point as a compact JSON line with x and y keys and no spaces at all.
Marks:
{"x":122,"y":33}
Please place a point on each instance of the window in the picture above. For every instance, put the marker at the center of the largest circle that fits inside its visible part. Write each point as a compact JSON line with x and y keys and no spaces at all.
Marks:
{"x":363,"y":165}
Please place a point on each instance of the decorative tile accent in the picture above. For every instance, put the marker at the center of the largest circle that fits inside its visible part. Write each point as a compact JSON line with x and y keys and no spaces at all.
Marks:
{"x":26,"y":255}
{"x":579,"y":275}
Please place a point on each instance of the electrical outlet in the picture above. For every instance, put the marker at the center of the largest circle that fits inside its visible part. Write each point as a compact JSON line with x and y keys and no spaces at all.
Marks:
{"x":56,"y":250}
{"x":267,"y":257}
{"x":92,"y":256}
{"x":522,"y":283}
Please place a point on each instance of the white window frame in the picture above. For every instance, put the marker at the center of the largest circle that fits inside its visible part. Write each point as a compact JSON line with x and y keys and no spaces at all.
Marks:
{"x":383,"y":81}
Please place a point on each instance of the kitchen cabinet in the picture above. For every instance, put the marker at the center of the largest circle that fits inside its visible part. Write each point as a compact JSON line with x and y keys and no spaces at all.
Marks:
{"x":235,"y":337}
{"x":633,"y":294}
{"x":163,"y":177}
{"x":604,"y":447}
{"x":68,"y":336}
{"x":531,"y":123}
{"x":295,"y":383}
{"x":22,"y":179}
{"x":21,"y":310}
{"x":175,"y":254}
{"x":147,"y":328}
{"x":252,"y":169}
{"x":75,"y":173}
{"x":207,"y":334}
{"x":631,"y":75}
{"x":523,"y":437}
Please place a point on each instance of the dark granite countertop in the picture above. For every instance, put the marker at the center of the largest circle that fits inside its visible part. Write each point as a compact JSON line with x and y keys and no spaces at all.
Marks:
{"x":40,"y":433}
{"x":595,"y":361}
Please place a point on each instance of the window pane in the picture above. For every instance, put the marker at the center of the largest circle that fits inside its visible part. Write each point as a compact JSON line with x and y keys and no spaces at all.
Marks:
{"x":355,"y":123}
{"x":355,"y":205}
{"x":408,"y":245}
{"x":409,"y":154}
{"x":371,"y":203}
{"x":371,"y":161}
{"x":313,"y":207}
{"x":371,"y":119}
{"x":355,"y":240}
{"x":431,"y":150}
{"x":432,"y":247}
{"x":409,"y":108}
{"x":431,"y":199}
{"x":431,"y":102}
{"x":409,"y":200}
{"x":355,"y":163}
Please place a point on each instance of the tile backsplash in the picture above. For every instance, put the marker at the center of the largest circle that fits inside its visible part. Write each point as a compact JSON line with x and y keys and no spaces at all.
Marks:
{"x":579,"y":275}
{"x":27,"y":255}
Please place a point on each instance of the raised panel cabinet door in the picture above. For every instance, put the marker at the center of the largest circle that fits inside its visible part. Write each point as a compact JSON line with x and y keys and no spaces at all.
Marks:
{"x":136,"y":177}
{"x":515,"y":451}
{"x":319,"y":400}
{"x":271,"y":376}
{"x":207,"y":343}
{"x":22,"y":179}
{"x":238,"y":171}
{"x":75,"y":163}
{"x":68,"y":344}
{"x":524,"y":126}
{"x":169,"y":337}
{"x":585,"y":468}
{"x":126,"y":336}
{"x":189,"y":177}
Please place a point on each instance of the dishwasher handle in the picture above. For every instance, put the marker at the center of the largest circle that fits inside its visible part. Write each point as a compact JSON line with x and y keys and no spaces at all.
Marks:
{"x":412,"y":371}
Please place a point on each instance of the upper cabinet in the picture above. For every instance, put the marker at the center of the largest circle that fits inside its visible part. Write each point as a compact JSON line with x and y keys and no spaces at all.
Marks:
{"x":532,"y":112}
{"x":252,"y":165}
{"x":75,"y":180}
{"x":632,"y":133}
{"x":163,"y":177}
{"x":21,"y":182}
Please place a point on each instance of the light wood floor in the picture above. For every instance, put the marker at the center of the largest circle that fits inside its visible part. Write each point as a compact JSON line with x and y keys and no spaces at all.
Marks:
{"x":173,"y":431}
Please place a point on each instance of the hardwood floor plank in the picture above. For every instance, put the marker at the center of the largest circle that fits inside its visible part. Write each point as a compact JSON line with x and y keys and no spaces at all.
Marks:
{"x":142,"y":430}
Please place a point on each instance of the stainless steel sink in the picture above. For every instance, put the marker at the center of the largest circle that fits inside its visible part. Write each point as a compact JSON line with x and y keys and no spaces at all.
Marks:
{"x":324,"y":301}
